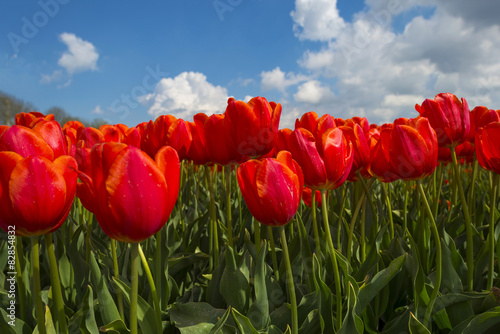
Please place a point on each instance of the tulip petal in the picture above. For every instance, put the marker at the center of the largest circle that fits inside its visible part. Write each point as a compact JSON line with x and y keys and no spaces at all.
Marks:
{"x":137,"y":195}
{"x":38,"y":193}
{"x":25,"y":142}
{"x":168,"y":163}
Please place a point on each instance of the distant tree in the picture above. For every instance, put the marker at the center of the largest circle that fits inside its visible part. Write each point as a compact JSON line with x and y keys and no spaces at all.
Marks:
{"x":97,"y":122}
{"x":10,"y":106}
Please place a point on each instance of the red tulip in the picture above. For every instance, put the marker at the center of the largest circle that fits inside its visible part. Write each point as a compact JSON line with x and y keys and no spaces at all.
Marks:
{"x":413,"y":148}
{"x":31,"y":118}
{"x":281,"y":143}
{"x":379,"y":165}
{"x":271,"y":188}
{"x":488,"y":148}
{"x":45,"y":139}
{"x":167,"y":130}
{"x":479,"y":117}
{"x":253,"y":125}
{"x":317,"y":126}
{"x":198,"y":151}
{"x":448,"y":117}
{"x":131,"y":195}
{"x":219,"y":143}
{"x":36,"y":194}
{"x":359,"y":142}
{"x":307,"y":196}
{"x":325,"y":164}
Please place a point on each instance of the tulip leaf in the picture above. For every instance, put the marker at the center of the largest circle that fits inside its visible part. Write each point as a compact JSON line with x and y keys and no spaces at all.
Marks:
{"x":259,"y":311}
{"x":194,"y":318}
{"x":416,"y":327}
{"x":234,"y":285}
{"x":311,"y":323}
{"x":88,"y":324}
{"x":107,"y":306}
{"x":244,"y":324}
{"x":6,"y":324}
{"x":115,"y":327}
{"x":352,"y":323}
{"x":379,"y":281}
{"x":145,"y":314}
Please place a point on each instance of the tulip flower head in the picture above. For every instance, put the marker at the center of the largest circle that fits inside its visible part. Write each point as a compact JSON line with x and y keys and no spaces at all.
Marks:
{"x":271,"y":188}
{"x":131,"y":195}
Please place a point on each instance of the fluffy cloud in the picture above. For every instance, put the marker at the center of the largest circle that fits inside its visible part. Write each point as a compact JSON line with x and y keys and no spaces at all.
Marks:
{"x":81,"y":55}
{"x":381,"y":70}
{"x":313,"y":92}
{"x":185,"y":95}
{"x":316,"y":19}
{"x":279,"y":80}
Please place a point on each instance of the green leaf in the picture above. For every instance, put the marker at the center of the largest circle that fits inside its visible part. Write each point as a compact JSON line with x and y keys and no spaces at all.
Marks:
{"x":311,"y":324}
{"x":259,"y":311}
{"x":88,"y":324}
{"x":483,"y":322}
{"x":115,"y":327}
{"x":244,"y":324}
{"x":107,"y":306}
{"x":379,"y":281}
{"x":234,"y":285}
{"x":194,"y":318}
{"x":49,"y":324}
{"x":416,"y":327}
{"x":12,"y":326}
{"x":146,"y":316}
{"x":352,"y":323}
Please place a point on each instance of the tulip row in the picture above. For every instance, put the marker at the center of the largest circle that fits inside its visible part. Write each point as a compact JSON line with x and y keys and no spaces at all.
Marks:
{"x":131,"y":180}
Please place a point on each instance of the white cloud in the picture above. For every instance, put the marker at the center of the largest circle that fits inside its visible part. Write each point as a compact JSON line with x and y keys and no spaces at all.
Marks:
{"x":185,"y":95}
{"x":313,"y":92}
{"x":381,"y":72}
{"x":57,"y":75}
{"x":316,"y":20}
{"x":279,"y":80}
{"x":81,"y":55}
{"x":97,"y":110}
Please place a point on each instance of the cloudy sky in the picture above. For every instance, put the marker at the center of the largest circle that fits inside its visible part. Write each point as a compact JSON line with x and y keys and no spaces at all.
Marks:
{"x":129,"y":61}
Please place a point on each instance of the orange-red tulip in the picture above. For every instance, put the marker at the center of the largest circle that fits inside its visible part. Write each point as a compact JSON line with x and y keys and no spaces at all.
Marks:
{"x":488,"y":148}
{"x":253,"y":125}
{"x":131,"y":195}
{"x":479,"y":117}
{"x":448,"y":117}
{"x":36,"y":194}
{"x":271,"y":188}
{"x":325,"y":164}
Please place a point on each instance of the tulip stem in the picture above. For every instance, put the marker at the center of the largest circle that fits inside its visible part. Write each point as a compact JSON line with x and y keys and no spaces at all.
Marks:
{"x":88,"y":237}
{"x":491,"y":232}
{"x":116,"y":272}
{"x":468,"y":223}
{"x":19,"y":256}
{"x":351,"y":226}
{"x":158,"y":261}
{"x":37,"y":296}
{"x":333,"y":257}
{"x":214,"y":238}
{"x":229,"y":220}
{"x":439,"y":265}
{"x":289,"y":281}
{"x":273,"y":253}
{"x":134,"y":288}
{"x":256,"y":227}
{"x":56,"y":284}
{"x":315,"y":221}
{"x":370,"y":199}
{"x":389,"y":208}
{"x":341,"y":215}
{"x":152,"y":286}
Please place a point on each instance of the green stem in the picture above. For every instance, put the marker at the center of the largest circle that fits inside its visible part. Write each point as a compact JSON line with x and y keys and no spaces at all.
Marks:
{"x":273,"y":253}
{"x":468,"y":223}
{"x":389,"y":208}
{"x":341,"y":215}
{"x":440,"y":186}
{"x":362,"y":236}
{"x":315,"y":222}
{"x":116,"y":272}
{"x":56,"y":284}
{"x":491,"y":232}
{"x":229,"y":220}
{"x":134,"y":288}
{"x":405,"y":207}
{"x":333,"y":256}
{"x":158,"y":261}
{"x":152,"y":286}
{"x":351,"y":226}
{"x":37,"y":295}
{"x":289,"y":281}
{"x":370,"y":200}
{"x":439,"y":264}
{"x":256,"y":227}
{"x":213,"y":223}
{"x":19,"y":256}
{"x":88,"y":238}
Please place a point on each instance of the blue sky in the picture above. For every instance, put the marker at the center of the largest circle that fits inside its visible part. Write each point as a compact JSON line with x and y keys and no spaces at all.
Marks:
{"x":128,"y":62}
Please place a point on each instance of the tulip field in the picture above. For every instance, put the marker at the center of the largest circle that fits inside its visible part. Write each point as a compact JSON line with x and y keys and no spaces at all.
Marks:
{"x":229,"y":224}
